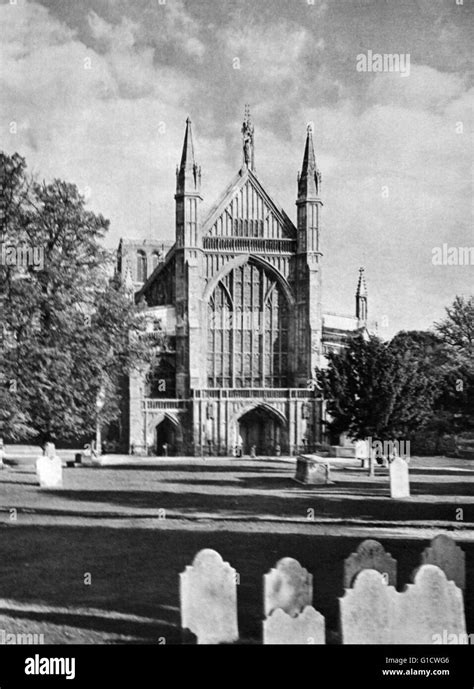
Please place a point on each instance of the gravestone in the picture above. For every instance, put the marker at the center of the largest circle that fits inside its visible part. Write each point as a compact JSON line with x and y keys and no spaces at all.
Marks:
{"x":399,"y":479}
{"x":49,"y":468}
{"x":362,"y":450}
{"x":305,"y":628}
{"x":312,"y":470}
{"x":431,"y":608}
{"x":367,"y":610}
{"x":208,"y":597}
{"x":370,"y":554}
{"x":287,"y":586}
{"x":89,"y":456}
{"x":50,"y":450}
{"x":444,"y":553}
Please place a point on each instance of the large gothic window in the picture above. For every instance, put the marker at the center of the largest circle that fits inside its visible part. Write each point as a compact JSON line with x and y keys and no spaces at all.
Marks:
{"x":141,"y":266}
{"x":248,"y":331}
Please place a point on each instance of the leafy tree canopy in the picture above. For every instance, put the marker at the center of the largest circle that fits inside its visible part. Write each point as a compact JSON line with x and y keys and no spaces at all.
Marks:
{"x":70,"y":331}
{"x":418,"y":380}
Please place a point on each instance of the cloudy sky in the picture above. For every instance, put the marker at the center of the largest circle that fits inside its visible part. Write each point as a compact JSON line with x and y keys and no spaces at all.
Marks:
{"x":99,"y":90}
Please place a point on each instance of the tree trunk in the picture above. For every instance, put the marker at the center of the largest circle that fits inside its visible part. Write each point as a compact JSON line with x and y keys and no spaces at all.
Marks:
{"x":371,"y":463}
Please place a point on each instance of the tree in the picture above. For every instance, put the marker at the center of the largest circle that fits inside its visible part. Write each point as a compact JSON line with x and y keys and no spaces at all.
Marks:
{"x":456,"y":331}
{"x":14,"y":190}
{"x":73,"y":332}
{"x":377,"y":389}
{"x":425,"y":360}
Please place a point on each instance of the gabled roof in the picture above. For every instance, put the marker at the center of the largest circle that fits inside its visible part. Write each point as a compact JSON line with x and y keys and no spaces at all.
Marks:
{"x":244,"y":175}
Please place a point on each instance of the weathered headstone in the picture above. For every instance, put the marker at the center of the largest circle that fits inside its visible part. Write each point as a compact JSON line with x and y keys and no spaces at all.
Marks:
{"x":209,"y":599}
{"x":362,"y":450}
{"x":399,"y":479}
{"x":311,"y":469}
{"x":367,"y":610}
{"x":444,"y":553}
{"x":89,"y":457}
{"x":305,"y":628}
{"x":431,"y":608}
{"x":370,"y":554}
{"x":288,"y":586}
{"x":49,"y":468}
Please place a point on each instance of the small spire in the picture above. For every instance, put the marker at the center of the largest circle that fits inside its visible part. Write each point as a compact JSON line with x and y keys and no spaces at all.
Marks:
{"x":248,"y":140}
{"x":361,"y":298}
{"x":361,"y":285}
{"x":189,"y":173}
{"x":309,"y":179}
{"x":187,"y":157}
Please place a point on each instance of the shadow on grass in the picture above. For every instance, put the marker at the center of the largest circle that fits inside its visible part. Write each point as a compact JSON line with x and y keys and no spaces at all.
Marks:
{"x":327,"y":501}
{"x":466,"y":473}
{"x":268,"y":483}
{"x":195,"y":468}
{"x":136,"y":571}
{"x":145,"y":632}
{"x":457,"y":488}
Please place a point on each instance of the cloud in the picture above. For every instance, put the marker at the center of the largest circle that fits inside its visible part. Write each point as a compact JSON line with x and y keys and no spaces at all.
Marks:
{"x":183,"y":28}
{"x":121,"y":36}
{"x":425,"y":87}
{"x":396,"y":182}
{"x":27,"y":27}
{"x":101,"y":117}
{"x":269,"y":53}
{"x":100,"y":92}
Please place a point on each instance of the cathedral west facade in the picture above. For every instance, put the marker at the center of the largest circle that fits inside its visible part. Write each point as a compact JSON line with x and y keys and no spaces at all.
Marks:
{"x":236,"y":319}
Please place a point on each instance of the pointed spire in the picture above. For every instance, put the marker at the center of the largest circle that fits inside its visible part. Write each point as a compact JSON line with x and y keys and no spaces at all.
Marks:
{"x":309,"y":180}
{"x":361,"y":298}
{"x":248,"y":140}
{"x":309,"y":159}
{"x":189,"y":173}
{"x":361,"y":285}
{"x":188,"y":147}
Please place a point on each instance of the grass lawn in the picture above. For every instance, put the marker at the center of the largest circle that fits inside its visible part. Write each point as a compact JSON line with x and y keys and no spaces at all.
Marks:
{"x":107,"y":523}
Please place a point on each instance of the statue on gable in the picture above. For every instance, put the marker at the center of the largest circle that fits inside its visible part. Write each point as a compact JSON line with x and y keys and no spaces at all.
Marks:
{"x":248,"y":139}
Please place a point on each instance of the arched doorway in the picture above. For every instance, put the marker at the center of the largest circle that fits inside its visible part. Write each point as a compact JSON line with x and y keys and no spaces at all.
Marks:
{"x":165,"y":438}
{"x":265,"y":429}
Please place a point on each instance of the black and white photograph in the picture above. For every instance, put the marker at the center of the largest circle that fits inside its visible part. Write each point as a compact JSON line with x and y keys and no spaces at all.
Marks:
{"x":237,"y":333}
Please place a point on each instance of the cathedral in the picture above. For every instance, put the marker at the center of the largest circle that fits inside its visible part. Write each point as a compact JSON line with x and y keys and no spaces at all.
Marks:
{"x":235,"y":318}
